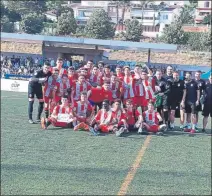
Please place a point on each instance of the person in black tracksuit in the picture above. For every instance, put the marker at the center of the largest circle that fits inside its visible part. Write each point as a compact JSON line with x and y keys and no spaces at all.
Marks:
{"x":207,"y":109}
{"x":201,"y":84}
{"x":35,"y":88}
{"x":164,"y":88}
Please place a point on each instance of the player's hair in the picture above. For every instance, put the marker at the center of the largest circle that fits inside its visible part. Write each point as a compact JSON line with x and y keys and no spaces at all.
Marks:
{"x":107,"y":66}
{"x":119,"y":66}
{"x":83,"y":93}
{"x":91,"y":61}
{"x":106,"y":101}
{"x":101,"y":63}
{"x":59,"y":59}
{"x":47,"y":63}
{"x":188,"y":73}
{"x":176,"y":72}
{"x":95,"y":66}
{"x":117,"y":100}
{"x":144,"y":71}
{"x":65,"y":96}
{"x":138,"y":66}
{"x":81,"y":76}
{"x":198,"y":71}
{"x":64,"y":76}
{"x":129,"y":101}
{"x":71,"y":68}
{"x":169,"y":66}
{"x":159,"y":70}
{"x":150,"y":102}
{"x":126,"y":67}
{"x":114,"y":74}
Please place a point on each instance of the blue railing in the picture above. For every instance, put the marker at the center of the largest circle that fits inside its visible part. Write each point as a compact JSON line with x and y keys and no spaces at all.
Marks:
{"x":12,"y":76}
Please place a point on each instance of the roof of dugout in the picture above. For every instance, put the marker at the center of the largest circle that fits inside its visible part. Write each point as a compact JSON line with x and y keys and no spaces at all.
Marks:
{"x":103,"y":44}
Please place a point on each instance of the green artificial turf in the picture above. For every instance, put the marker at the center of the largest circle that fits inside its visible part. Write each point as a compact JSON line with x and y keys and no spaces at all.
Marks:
{"x":63,"y":162}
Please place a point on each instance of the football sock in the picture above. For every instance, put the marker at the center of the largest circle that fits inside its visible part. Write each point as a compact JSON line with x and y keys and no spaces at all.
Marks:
{"x":40,"y":109}
{"x":30,"y":109}
{"x":48,"y":123}
{"x":47,"y":113}
{"x":166,"y":116}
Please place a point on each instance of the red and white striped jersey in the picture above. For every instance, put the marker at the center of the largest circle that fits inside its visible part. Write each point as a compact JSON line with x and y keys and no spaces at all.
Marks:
{"x":82,"y":108}
{"x":49,"y":87}
{"x":149,"y":88}
{"x":150,"y":117}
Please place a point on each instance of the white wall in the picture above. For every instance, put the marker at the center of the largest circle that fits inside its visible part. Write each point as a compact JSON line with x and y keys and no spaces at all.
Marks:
{"x":95,"y":3}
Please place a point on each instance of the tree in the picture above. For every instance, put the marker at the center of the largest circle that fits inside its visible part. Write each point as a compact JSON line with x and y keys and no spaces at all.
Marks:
{"x":32,"y":23}
{"x":66,"y":24}
{"x":186,"y":15}
{"x":207,"y":19}
{"x":133,"y":30}
{"x":99,"y":25}
{"x":26,"y":7}
{"x":174,"y":34}
{"x":199,"y":41}
{"x":123,"y":5}
{"x":6,"y":25}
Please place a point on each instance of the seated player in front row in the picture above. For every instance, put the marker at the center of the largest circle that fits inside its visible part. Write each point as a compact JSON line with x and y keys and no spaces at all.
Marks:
{"x":105,"y":120}
{"x":153,"y":122}
{"x":62,"y":115}
{"x":133,"y":117}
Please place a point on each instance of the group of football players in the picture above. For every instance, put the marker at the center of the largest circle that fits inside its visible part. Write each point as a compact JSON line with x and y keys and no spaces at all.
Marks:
{"x":95,"y":99}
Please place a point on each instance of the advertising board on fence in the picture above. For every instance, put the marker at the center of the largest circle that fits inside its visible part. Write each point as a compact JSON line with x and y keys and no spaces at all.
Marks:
{"x":14,"y":85}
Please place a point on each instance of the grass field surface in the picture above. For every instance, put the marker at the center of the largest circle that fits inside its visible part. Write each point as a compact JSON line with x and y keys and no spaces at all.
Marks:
{"x":63,"y":162}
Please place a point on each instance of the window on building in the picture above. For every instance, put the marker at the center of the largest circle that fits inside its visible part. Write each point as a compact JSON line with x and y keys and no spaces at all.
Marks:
{"x":207,"y":4}
{"x":165,"y":17}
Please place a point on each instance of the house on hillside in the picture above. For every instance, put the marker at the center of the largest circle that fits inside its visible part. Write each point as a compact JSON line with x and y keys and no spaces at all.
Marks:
{"x":203,"y":9}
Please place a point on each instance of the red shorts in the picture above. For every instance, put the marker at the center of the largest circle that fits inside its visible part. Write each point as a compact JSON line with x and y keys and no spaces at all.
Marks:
{"x":46,"y":99}
{"x":146,"y":101}
{"x":152,"y":128}
{"x":138,"y":101}
{"x":106,"y":128}
{"x":58,"y":124}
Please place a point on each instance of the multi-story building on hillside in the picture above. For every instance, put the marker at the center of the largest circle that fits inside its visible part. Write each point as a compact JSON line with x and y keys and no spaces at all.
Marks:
{"x":203,"y":9}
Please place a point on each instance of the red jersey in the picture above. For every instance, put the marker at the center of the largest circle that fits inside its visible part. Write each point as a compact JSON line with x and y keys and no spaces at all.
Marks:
{"x":150,"y":117}
{"x":119,"y":115}
{"x":82,"y":108}
{"x":116,"y":89}
{"x":131,"y":116}
{"x":78,"y":88}
{"x":99,"y":94}
{"x":106,"y":76}
{"x":105,"y":117}
{"x":96,"y":79}
{"x":127,"y":87}
{"x":49,"y":87}
{"x":60,"y":89}
{"x":137,"y":87}
{"x":72,"y":79}
{"x":120,"y":76}
{"x":62,"y":109}
{"x":149,"y":88}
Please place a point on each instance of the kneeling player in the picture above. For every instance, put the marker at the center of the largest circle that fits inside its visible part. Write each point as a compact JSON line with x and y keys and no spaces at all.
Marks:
{"x":62,"y":116}
{"x":153,"y":121}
